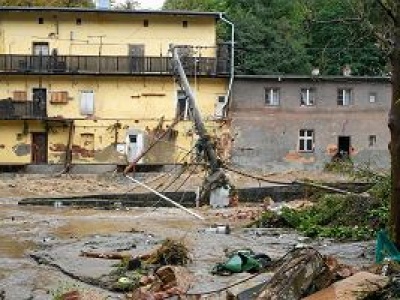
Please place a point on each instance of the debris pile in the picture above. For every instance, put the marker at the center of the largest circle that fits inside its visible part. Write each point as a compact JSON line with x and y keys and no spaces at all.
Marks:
{"x":171,"y":252}
{"x":344,"y":217}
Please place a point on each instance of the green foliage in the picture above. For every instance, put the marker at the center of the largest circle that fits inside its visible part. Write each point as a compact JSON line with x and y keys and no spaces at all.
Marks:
{"x":291,"y":37}
{"x":195,"y":5}
{"x":334,"y":45}
{"x":343,"y":217}
{"x":44,"y":3}
{"x":269,"y":37}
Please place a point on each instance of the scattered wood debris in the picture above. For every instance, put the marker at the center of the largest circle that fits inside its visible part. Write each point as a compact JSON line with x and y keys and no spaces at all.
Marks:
{"x":171,"y":252}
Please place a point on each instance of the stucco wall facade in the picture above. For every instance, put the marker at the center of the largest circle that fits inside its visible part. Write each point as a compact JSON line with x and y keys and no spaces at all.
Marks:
{"x":147,"y":103}
{"x":267,"y":137}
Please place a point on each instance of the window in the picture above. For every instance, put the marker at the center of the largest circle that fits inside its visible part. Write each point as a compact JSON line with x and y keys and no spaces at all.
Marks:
{"x":59,"y":97}
{"x":372,"y":140}
{"x":40,"y":48}
{"x":372,"y":97}
{"x":20,"y":96}
{"x":146,"y":23}
{"x":182,"y":106}
{"x":184,"y":24}
{"x":78,"y":21}
{"x":87,"y":103}
{"x":306,"y":140}
{"x":344,"y":97}
{"x":40,"y":21}
{"x":307,"y":97}
{"x":272,"y":96}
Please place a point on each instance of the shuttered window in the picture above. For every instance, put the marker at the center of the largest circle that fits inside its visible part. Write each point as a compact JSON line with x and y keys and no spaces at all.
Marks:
{"x":20,"y":96}
{"x":59,"y":98}
{"x":87,"y":102}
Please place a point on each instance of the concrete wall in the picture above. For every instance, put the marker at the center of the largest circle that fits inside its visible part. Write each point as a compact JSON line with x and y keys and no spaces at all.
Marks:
{"x":267,"y":138}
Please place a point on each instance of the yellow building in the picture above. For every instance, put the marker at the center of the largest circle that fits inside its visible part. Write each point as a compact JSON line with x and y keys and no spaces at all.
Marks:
{"x":92,"y":86}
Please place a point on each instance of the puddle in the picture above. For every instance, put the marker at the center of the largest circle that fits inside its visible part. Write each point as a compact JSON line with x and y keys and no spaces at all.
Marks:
{"x":85,"y":227}
{"x":13,"y":248}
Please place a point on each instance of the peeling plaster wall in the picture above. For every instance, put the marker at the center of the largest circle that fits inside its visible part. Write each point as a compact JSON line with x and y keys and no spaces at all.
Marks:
{"x":117,"y":100}
{"x":136,"y":102}
{"x":15,"y":141}
{"x":267,"y":137}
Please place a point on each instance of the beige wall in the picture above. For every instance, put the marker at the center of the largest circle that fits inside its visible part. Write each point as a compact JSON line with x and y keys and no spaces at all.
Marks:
{"x":134,"y":103}
{"x":19,"y":30}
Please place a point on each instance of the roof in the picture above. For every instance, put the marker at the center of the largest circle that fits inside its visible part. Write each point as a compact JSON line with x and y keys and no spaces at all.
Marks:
{"x":284,"y":77}
{"x":37,"y":9}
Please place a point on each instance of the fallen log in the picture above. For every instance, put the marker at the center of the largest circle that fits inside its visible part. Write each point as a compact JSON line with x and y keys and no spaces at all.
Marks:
{"x":302,"y":272}
{"x":105,"y":255}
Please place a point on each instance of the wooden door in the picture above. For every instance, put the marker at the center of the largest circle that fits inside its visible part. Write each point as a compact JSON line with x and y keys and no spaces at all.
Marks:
{"x":39,"y":97}
{"x":136,"y":54}
{"x":39,"y":147}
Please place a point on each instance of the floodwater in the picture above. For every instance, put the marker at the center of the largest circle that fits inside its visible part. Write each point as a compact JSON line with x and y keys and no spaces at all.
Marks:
{"x":59,"y":234}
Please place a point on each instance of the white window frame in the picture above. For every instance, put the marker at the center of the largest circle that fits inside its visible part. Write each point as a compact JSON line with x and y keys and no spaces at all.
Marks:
{"x":307,"y":97}
{"x":373,"y":97}
{"x":344,"y":96}
{"x":306,"y":135}
{"x":274,"y":97}
{"x":87,"y":109}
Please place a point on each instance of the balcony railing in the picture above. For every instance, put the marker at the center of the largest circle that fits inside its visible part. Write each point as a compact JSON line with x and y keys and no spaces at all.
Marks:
{"x":10,"y":110}
{"x":110,"y":65}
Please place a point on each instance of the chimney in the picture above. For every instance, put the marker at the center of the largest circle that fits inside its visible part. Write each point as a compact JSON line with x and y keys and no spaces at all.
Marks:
{"x":103,"y":4}
{"x":346,"y":70}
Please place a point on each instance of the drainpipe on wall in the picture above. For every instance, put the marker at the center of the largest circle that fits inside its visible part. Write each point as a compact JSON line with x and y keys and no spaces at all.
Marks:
{"x":232,"y":76}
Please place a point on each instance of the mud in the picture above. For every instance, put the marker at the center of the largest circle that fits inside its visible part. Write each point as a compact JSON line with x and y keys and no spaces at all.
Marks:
{"x":40,"y":253}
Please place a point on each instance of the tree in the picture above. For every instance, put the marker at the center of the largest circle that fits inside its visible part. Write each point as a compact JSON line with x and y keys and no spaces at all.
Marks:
{"x":332,"y":46}
{"x":127,"y":5}
{"x":391,"y":38}
{"x":50,"y":3}
{"x":195,"y":5}
{"x":269,"y":37}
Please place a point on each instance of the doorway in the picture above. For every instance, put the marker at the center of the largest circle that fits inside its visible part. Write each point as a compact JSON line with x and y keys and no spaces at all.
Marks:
{"x":39,"y":148}
{"x":39,"y":96}
{"x":136,"y":57}
{"x":344,"y":144}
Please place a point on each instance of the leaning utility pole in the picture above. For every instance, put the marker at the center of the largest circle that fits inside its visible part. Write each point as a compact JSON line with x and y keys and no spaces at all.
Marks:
{"x":216,"y":186}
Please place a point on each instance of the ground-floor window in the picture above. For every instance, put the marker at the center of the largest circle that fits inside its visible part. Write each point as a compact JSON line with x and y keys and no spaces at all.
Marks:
{"x":306,"y":140}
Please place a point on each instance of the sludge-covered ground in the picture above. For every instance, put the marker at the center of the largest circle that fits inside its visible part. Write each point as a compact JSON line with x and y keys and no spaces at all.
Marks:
{"x":40,"y":246}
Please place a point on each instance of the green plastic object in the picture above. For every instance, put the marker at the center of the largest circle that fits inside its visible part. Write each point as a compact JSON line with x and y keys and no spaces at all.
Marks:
{"x":238,"y":261}
{"x":234,"y":264}
{"x":385,"y":248}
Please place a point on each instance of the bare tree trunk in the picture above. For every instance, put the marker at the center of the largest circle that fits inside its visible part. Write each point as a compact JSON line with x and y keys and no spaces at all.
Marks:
{"x":394,"y":146}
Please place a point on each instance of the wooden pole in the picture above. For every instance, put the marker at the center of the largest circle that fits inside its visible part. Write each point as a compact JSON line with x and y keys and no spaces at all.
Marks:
{"x":166,"y":198}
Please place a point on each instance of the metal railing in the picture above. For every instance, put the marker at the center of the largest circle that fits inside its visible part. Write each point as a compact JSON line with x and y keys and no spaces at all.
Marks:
{"x":119,"y":65}
{"x":10,"y":110}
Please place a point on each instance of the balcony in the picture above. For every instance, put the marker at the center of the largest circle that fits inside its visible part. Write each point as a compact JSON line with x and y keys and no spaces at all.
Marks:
{"x":10,"y":110}
{"x":110,"y":65}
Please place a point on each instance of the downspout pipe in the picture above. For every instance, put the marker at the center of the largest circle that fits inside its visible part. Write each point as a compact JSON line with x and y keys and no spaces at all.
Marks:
{"x":232,"y":75}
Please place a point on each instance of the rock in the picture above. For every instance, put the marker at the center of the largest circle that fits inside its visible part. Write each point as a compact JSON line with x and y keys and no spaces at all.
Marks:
{"x":356,"y":287}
